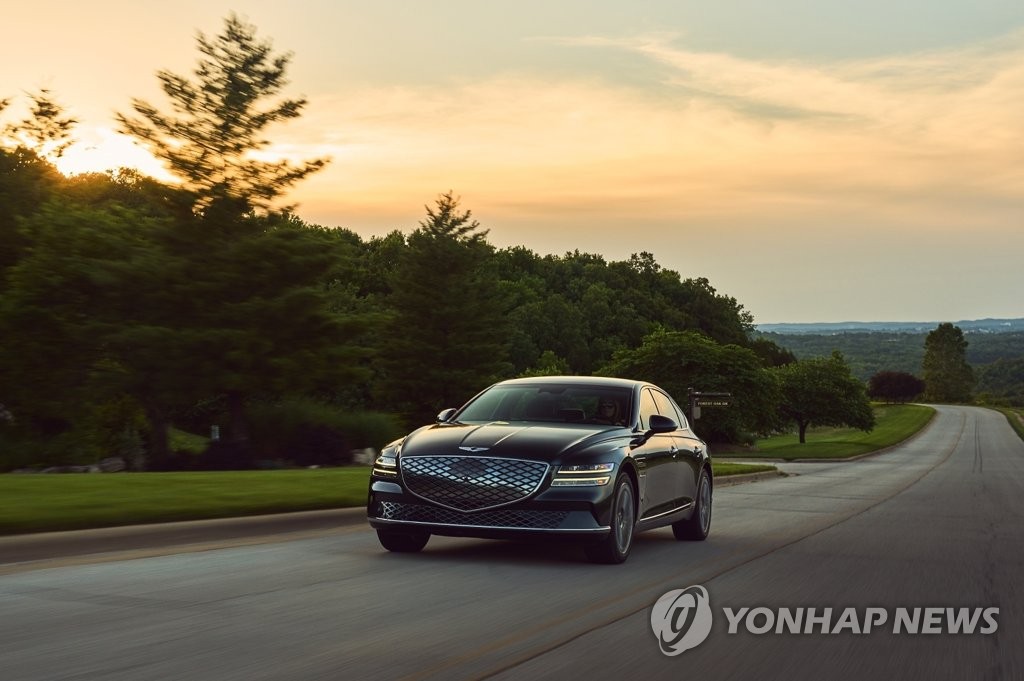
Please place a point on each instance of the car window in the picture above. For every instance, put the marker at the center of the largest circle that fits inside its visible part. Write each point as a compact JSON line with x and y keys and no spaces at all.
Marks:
{"x":648,"y":407}
{"x":666,"y":407}
{"x":683,"y":422}
{"x":546,"y":403}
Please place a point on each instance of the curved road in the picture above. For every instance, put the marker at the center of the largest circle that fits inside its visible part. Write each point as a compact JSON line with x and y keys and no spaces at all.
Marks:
{"x":936,"y":522}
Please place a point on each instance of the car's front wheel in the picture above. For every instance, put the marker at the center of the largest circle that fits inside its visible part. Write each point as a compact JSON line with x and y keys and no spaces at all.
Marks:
{"x":403,"y":541}
{"x":698,"y":525}
{"x":616,"y":546}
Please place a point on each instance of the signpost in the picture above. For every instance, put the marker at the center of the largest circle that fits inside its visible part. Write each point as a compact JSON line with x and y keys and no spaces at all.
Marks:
{"x":705,"y":399}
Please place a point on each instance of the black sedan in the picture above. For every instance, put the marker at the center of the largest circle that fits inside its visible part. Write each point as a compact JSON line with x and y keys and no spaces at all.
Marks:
{"x":588,"y":458}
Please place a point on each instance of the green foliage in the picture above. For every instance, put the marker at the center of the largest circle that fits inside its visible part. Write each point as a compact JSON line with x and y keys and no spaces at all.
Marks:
{"x":548,"y":364}
{"x":219,"y":121}
{"x":947,"y":375}
{"x":584,"y":309}
{"x":305,"y":431}
{"x":895,"y":386}
{"x":1002,"y":381}
{"x":822,"y":392}
{"x":679,"y":360}
{"x":866,"y":352}
{"x":994,"y":356}
{"x":26,"y":182}
{"x":445,"y":340}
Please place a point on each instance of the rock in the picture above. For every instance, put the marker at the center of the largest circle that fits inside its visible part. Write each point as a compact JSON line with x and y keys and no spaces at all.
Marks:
{"x":112,"y":464}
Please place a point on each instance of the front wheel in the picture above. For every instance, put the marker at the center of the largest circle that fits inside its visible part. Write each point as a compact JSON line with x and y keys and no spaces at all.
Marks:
{"x":698,"y":525}
{"x":403,"y":541}
{"x":616,"y":546}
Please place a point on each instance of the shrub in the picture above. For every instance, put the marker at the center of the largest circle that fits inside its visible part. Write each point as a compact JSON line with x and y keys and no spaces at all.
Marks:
{"x":307,"y":432}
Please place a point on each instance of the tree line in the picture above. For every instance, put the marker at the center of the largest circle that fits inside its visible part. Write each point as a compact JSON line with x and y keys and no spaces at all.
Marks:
{"x":130,"y":308}
{"x":996,"y":360}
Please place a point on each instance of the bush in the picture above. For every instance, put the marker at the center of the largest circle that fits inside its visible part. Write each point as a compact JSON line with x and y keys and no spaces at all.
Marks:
{"x":306,"y":432}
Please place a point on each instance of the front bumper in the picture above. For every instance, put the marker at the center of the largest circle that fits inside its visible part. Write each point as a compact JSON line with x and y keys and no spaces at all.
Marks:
{"x":554,"y":512}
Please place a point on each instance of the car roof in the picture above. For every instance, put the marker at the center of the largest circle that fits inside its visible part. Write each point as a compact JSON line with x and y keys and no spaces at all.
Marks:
{"x":577,"y":380}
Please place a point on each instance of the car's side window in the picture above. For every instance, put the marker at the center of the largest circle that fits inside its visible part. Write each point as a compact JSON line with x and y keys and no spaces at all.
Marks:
{"x":665,"y":406}
{"x":682,"y":420}
{"x":668,"y":407}
{"x":648,"y":407}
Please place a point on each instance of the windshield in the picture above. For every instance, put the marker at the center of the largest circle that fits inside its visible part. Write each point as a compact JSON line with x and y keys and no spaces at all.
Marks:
{"x":550,"y":403}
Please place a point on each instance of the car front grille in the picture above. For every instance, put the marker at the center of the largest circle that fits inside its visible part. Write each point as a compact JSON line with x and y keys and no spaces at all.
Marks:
{"x":472,"y":483}
{"x":508,"y":517}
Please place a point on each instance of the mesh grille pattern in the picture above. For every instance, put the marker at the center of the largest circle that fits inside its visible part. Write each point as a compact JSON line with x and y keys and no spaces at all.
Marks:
{"x":519,"y":519}
{"x":470,"y":483}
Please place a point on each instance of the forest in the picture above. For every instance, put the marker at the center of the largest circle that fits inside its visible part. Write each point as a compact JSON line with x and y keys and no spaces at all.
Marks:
{"x":997,"y":358}
{"x":139,"y":317}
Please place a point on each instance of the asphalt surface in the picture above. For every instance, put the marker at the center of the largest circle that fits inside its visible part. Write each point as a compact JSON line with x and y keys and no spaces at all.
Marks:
{"x":937,"y":522}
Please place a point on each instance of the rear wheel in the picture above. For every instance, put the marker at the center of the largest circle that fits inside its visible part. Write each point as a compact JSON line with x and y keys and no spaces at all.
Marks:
{"x":403,"y":541}
{"x":616,"y":546}
{"x":698,"y":525}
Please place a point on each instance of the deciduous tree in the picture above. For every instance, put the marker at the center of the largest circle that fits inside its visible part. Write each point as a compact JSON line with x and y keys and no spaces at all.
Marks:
{"x":895,"y":386}
{"x":679,"y":360}
{"x":822,"y":392}
{"x":947,"y":375}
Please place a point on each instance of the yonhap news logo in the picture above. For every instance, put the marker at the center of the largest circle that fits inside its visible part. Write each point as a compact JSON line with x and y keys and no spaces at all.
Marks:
{"x":681,"y":620}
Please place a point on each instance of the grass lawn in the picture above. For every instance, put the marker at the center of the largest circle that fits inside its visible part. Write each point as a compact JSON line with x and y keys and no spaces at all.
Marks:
{"x":894,"y":424}
{"x":44,"y":503}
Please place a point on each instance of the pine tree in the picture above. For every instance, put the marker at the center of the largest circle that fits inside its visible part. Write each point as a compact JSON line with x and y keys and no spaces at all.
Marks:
{"x":446,"y":337}
{"x":219,"y":121}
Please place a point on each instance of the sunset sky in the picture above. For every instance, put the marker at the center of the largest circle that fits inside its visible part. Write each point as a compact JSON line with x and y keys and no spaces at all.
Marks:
{"x":819,"y":160}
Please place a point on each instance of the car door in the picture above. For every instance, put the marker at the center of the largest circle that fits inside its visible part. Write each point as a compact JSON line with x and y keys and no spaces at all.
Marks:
{"x":686,"y":454}
{"x":655,"y":458}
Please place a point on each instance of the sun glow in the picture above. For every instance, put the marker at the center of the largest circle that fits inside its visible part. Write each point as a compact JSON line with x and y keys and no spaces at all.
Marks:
{"x":101,"y":149}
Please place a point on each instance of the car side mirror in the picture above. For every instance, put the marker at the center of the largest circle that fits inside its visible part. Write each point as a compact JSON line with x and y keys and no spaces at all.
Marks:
{"x":661,"y":424}
{"x":446,"y":414}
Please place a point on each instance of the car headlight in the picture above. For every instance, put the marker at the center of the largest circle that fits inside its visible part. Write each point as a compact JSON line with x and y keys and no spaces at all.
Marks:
{"x":385,"y":465}
{"x":583,"y":475}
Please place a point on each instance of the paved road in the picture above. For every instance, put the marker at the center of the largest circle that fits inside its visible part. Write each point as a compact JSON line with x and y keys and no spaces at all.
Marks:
{"x":936,"y":522}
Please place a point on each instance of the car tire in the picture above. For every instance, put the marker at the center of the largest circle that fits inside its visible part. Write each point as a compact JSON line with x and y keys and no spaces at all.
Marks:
{"x":403,"y":541}
{"x":616,"y":546}
{"x":698,"y":525}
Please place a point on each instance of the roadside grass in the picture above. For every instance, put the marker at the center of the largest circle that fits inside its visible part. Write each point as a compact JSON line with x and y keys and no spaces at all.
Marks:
{"x":1015,"y":416}
{"x":43,"y":503}
{"x":894,"y":424}
{"x":721,"y":469}
{"x":47,"y":503}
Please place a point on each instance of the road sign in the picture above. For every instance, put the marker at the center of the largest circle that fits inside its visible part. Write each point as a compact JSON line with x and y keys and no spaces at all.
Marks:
{"x":702,"y":399}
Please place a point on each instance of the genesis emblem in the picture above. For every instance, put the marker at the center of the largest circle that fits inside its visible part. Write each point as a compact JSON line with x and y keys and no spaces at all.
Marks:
{"x":474,"y":450}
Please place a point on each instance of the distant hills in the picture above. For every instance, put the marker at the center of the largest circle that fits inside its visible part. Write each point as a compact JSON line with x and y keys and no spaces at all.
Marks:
{"x":832,"y":328}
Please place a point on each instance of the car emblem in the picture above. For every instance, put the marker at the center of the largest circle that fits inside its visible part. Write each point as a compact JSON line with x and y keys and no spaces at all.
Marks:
{"x":474,"y":450}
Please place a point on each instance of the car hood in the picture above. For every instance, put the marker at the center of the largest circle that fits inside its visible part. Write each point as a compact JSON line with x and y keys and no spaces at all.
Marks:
{"x":544,"y":442}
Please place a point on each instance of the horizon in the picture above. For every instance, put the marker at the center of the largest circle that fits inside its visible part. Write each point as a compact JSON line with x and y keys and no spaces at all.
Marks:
{"x":899,"y":322}
{"x":811,"y":162}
